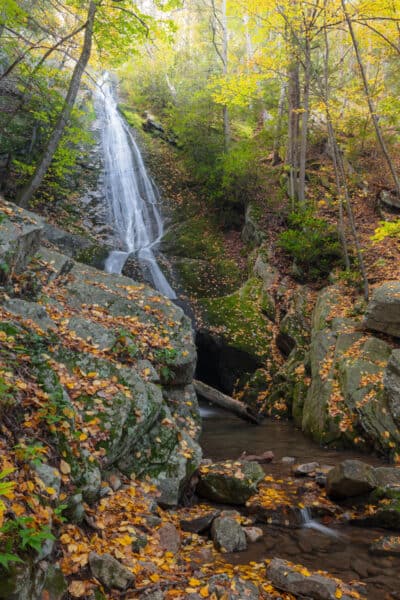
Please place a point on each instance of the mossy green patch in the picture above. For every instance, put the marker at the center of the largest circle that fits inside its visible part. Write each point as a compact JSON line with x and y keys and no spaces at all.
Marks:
{"x":240,"y":319}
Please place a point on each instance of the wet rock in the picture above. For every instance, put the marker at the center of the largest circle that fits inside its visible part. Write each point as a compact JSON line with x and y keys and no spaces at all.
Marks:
{"x":199,"y":524}
{"x":170,"y":539}
{"x":387,"y":477}
{"x":350,"y":478}
{"x":253,"y":534}
{"x":228,"y":535}
{"x":264,"y":458}
{"x":229,"y":482}
{"x":288,"y":460}
{"x":307,"y":469}
{"x":301,"y":582}
{"x":386,"y":516}
{"x":109,"y":571}
{"x":383,"y":311}
{"x":386,"y":546}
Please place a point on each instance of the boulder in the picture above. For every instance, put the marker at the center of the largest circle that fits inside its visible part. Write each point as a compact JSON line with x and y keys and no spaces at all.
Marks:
{"x":253,"y":534}
{"x":306,"y":469}
{"x":199,"y":524}
{"x":383,"y":310}
{"x":387,"y":477}
{"x":229,"y":482}
{"x":110,"y":572}
{"x":20,"y":237}
{"x":391,"y":381}
{"x":390,"y":199}
{"x":228,"y":535}
{"x":350,"y":478}
{"x":301,"y":582}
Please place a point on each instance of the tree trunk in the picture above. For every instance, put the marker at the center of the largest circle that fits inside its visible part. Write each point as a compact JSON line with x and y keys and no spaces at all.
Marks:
{"x":276,"y":159}
{"x":371,"y":106}
{"x":292,"y":158}
{"x":63,"y":119}
{"x":226,"y":402}
{"x":227,"y":126}
{"x":304,"y":121}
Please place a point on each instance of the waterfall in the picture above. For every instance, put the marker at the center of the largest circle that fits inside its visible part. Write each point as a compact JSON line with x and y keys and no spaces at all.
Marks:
{"x":310,"y":523}
{"x":131,"y":195}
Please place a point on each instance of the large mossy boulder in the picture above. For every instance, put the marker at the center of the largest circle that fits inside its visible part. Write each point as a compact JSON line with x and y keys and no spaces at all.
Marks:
{"x":391,"y":382}
{"x":347,"y":403}
{"x":383,"y":311}
{"x":229,"y":482}
{"x":235,"y":337}
{"x":102,"y":350}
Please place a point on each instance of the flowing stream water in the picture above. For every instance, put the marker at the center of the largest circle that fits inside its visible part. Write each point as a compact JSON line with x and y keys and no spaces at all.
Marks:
{"x":131,"y":194}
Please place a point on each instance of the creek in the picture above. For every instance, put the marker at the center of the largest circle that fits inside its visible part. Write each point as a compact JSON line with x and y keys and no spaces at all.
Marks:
{"x":340,"y":548}
{"x":132,"y":203}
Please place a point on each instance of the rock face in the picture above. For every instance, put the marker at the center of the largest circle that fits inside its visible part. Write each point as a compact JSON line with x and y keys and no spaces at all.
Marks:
{"x":20,"y":236}
{"x":110,"y":572}
{"x":228,"y":535}
{"x":347,"y":403}
{"x":229,"y":483}
{"x":391,"y":382}
{"x":303,"y":583}
{"x":350,"y":478}
{"x":124,"y":340}
{"x":383,"y":311}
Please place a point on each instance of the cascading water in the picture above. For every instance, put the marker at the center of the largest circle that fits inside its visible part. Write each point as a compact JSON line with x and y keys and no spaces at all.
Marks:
{"x":308,"y":522}
{"x":131,"y":195}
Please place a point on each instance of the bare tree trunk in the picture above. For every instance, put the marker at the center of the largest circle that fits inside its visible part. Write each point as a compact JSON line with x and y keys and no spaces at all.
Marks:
{"x":235,"y":406}
{"x":227,"y":126}
{"x":326,"y":94}
{"x":304,"y":121}
{"x":29,"y":190}
{"x":371,"y":106}
{"x":292,"y":158}
{"x":276,"y":159}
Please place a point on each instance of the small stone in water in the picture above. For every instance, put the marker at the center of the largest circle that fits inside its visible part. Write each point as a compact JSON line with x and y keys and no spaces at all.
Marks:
{"x":288,"y":460}
{"x":307,"y":469}
{"x":253,"y":534}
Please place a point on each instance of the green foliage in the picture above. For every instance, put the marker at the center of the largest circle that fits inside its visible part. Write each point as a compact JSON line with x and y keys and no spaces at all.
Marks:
{"x":386,"y":229}
{"x":25,"y":535}
{"x":313,"y":244}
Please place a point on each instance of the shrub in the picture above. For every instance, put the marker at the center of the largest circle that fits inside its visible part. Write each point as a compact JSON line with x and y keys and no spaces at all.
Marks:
{"x":312,"y":243}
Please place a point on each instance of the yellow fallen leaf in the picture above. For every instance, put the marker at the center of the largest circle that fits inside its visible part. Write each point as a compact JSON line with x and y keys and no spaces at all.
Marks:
{"x":64,"y":467}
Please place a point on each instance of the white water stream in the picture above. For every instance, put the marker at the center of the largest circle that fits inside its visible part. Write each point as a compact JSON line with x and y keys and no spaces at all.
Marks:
{"x":131,"y":195}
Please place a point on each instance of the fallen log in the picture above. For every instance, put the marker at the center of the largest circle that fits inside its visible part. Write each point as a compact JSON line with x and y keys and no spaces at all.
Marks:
{"x":235,"y":406}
